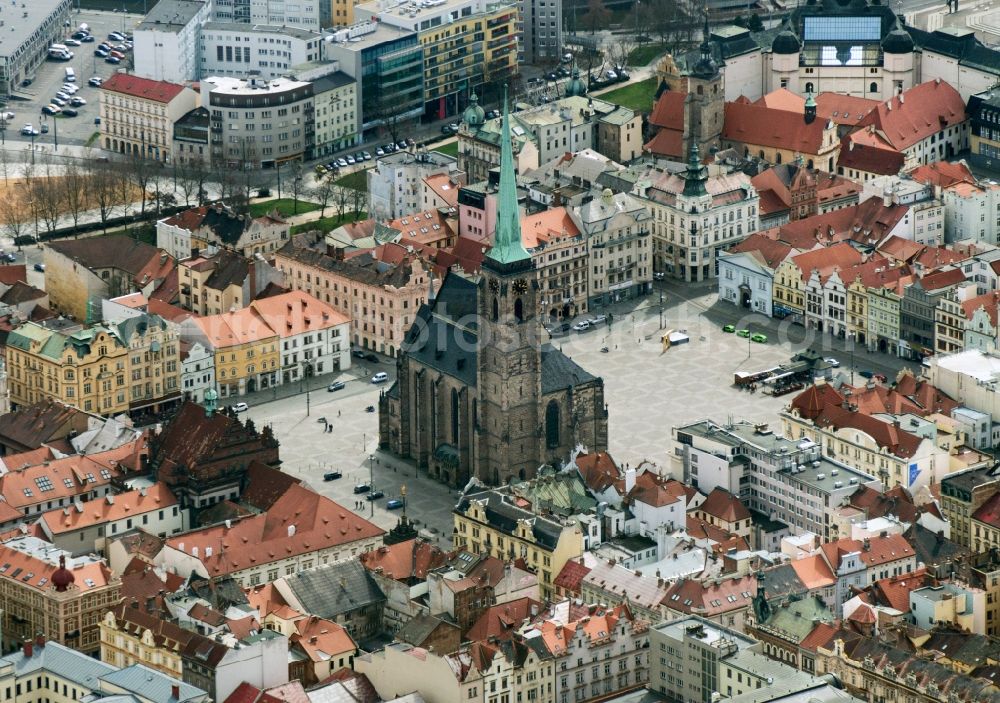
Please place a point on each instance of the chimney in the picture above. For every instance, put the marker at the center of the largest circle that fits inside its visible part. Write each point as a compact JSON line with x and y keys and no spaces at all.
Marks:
{"x":28,"y":649}
{"x":175,"y":691}
{"x":866,"y":545}
{"x":40,"y":640}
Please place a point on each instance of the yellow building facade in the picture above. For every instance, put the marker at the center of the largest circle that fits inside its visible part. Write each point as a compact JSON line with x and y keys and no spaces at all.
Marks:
{"x":789,"y":289}
{"x":544,"y":544}
{"x":246,"y":350}
{"x":104,"y":369}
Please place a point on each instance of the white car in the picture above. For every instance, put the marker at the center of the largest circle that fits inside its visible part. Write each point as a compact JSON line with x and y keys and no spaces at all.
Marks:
{"x":29,"y":131}
{"x":71,"y":42}
{"x":95,"y":82}
{"x":240,"y":408}
{"x":70,"y":88}
{"x":582,"y":326}
{"x":832,"y":362}
{"x":7,"y":116}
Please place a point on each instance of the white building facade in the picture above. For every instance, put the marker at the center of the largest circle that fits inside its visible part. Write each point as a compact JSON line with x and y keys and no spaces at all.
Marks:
{"x":167,"y":42}
{"x":197,"y":371}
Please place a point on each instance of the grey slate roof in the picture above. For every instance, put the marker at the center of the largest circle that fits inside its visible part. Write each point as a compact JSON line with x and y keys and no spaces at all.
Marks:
{"x":62,"y":661}
{"x":171,"y":15}
{"x":445,"y":339}
{"x":504,"y":516}
{"x":335,"y":589}
{"x":419,"y":628}
{"x":152,"y":685}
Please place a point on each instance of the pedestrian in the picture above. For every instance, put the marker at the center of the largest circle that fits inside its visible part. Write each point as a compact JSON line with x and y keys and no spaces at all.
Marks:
{"x":338,"y":413}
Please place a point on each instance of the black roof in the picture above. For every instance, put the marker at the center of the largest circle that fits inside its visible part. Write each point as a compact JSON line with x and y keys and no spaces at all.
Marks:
{"x":445,"y":338}
{"x":960,"y":44}
{"x":504,"y":516}
{"x":932,"y":548}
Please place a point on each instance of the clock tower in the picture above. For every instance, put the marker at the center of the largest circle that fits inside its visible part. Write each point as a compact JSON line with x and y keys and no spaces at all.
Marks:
{"x":509,"y":360}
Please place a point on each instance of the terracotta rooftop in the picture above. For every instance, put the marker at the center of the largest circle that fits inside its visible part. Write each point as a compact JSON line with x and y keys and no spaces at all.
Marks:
{"x":541,"y":228}
{"x":723,"y":505}
{"x":814,"y":572}
{"x":712,"y":597}
{"x":600,"y":472}
{"x":656,"y":491}
{"x":758,"y":125}
{"x":299,"y":522}
{"x":989,"y":512}
{"x":503,"y":620}
{"x":111,"y":508}
{"x":405,"y":561}
{"x":943,"y":173}
{"x":142,"y":88}
{"x":322,"y":640}
{"x":571,"y":575}
{"x":882,"y":550}
{"x":894,"y":591}
{"x":772,"y":252}
{"x":917,"y":113}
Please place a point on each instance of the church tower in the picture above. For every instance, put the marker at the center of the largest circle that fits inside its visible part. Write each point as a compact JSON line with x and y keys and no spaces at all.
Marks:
{"x":509,"y":355}
{"x":706,"y":100}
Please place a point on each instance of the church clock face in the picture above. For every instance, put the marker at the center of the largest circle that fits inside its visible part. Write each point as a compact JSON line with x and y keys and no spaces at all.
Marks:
{"x":495,"y":286}
{"x":520,"y":286}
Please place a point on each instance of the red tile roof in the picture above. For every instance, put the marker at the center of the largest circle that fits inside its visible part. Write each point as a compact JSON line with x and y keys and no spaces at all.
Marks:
{"x":757,"y":125}
{"x":144,"y":88}
{"x":655,"y":490}
{"x":821,"y":636}
{"x":988,"y":302}
{"x":771,"y":251}
{"x":9,"y":275}
{"x":866,"y":223}
{"x":827,"y":260}
{"x":943,"y":173}
{"x":894,"y":591}
{"x":723,"y":505}
{"x":108,"y":509}
{"x":864,"y":152}
{"x":668,"y":110}
{"x":600,"y":472}
{"x":814,"y":572}
{"x":989,"y":512}
{"x":407,"y":560}
{"x":321,"y":639}
{"x":936,"y":280}
{"x":503,"y":620}
{"x":886,"y":434}
{"x":843,"y":109}
{"x":882,"y":550}
{"x":811,"y":402}
{"x":571,"y":575}
{"x":711,"y":598}
{"x":318,"y":523}
{"x":917,"y":113}
{"x":667,"y":142}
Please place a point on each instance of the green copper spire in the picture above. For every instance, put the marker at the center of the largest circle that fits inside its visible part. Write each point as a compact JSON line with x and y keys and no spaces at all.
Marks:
{"x":696,"y":174}
{"x":507,"y":246}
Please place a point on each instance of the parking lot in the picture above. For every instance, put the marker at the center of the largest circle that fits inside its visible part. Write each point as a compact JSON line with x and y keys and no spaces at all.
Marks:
{"x":27,"y":102}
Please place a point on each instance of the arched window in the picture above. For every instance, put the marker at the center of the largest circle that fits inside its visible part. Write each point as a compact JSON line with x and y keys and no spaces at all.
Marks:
{"x":777,"y":158}
{"x":496,"y":309}
{"x":552,"y":424}
{"x":810,"y":88}
{"x":519,"y":310}
{"x":454,"y":417}
{"x":873,"y":88}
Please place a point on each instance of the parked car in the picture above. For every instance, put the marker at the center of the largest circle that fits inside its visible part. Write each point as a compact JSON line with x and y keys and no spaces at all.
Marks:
{"x":26,"y":82}
{"x":70,"y":89}
{"x":10,"y":256}
{"x":240,"y":408}
{"x":865,"y":373}
{"x":375,"y":495}
{"x":358,"y":354}
{"x":380,"y":377}
{"x":446,"y":129}
{"x":336,"y":386}
{"x":117,"y":54}
{"x":659,"y":276}
{"x":361,"y":488}
{"x":728,"y":328}
{"x":743,"y":333}
{"x":51,"y":109}
{"x":113,"y":60}
{"x":393,"y":504}
{"x":332,"y":475}
{"x":72,"y":42}
{"x":7,"y":116}
{"x":759,"y":338}
{"x":116,"y":36}
{"x":70,"y":112}
{"x":582,"y":326}
{"x":350,"y":160}
{"x":89,"y":39}
{"x":45,"y":128}
{"x":379,"y":152}
{"x":102,"y":53}
{"x":372,"y":358}
{"x":368,"y":157}
{"x":29,"y":131}
{"x":95,"y":82}
{"x":598,"y":319}
{"x":403,"y":145}
{"x":832,"y":362}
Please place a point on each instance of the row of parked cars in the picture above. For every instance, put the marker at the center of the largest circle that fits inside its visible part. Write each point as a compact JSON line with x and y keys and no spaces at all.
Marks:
{"x":66,"y":101}
{"x":114,"y":53}
{"x":452,"y":128}
{"x":362,"y":156}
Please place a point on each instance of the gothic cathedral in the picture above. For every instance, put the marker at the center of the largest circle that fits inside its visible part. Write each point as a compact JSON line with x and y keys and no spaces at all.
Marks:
{"x":480,"y":392}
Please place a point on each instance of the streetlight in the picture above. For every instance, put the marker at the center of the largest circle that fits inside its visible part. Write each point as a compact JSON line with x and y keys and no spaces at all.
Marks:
{"x":371,"y":481}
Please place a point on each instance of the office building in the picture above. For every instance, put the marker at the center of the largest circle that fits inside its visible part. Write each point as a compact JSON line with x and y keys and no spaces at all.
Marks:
{"x":258,"y":123}
{"x":388,"y":65}
{"x":540,"y":29}
{"x":167,"y":41}
{"x":268,"y":51}
{"x":38,"y":25}
{"x":790,"y":481}
{"x":467,"y":44}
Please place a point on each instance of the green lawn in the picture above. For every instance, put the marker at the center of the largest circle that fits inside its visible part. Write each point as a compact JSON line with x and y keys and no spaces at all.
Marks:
{"x":327,"y":224}
{"x":449,"y":149}
{"x":285,"y":206}
{"x":357,"y":180}
{"x":637,"y":96}
{"x":642,"y":55}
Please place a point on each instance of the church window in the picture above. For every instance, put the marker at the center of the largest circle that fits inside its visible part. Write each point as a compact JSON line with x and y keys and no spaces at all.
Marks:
{"x":873,"y":88}
{"x":519,"y":310}
{"x":701,"y":90}
{"x":810,"y":88}
{"x":496,"y":309}
{"x":552,"y":424}
{"x":454,"y":416}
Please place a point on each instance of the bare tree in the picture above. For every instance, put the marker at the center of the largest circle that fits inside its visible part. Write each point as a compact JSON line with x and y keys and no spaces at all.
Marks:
{"x":45,"y":194}
{"x":104,"y":190}
{"x":620,"y":50}
{"x":297,"y":185}
{"x":74,"y":193}
{"x":16,"y":217}
{"x":597,"y":16}
{"x":139,"y":172}
{"x":358,"y":199}
{"x":341,"y":196}
{"x":323,"y":193}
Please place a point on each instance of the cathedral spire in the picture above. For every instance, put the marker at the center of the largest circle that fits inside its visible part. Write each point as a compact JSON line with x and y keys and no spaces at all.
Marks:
{"x":695,"y":176}
{"x":507,"y":247}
